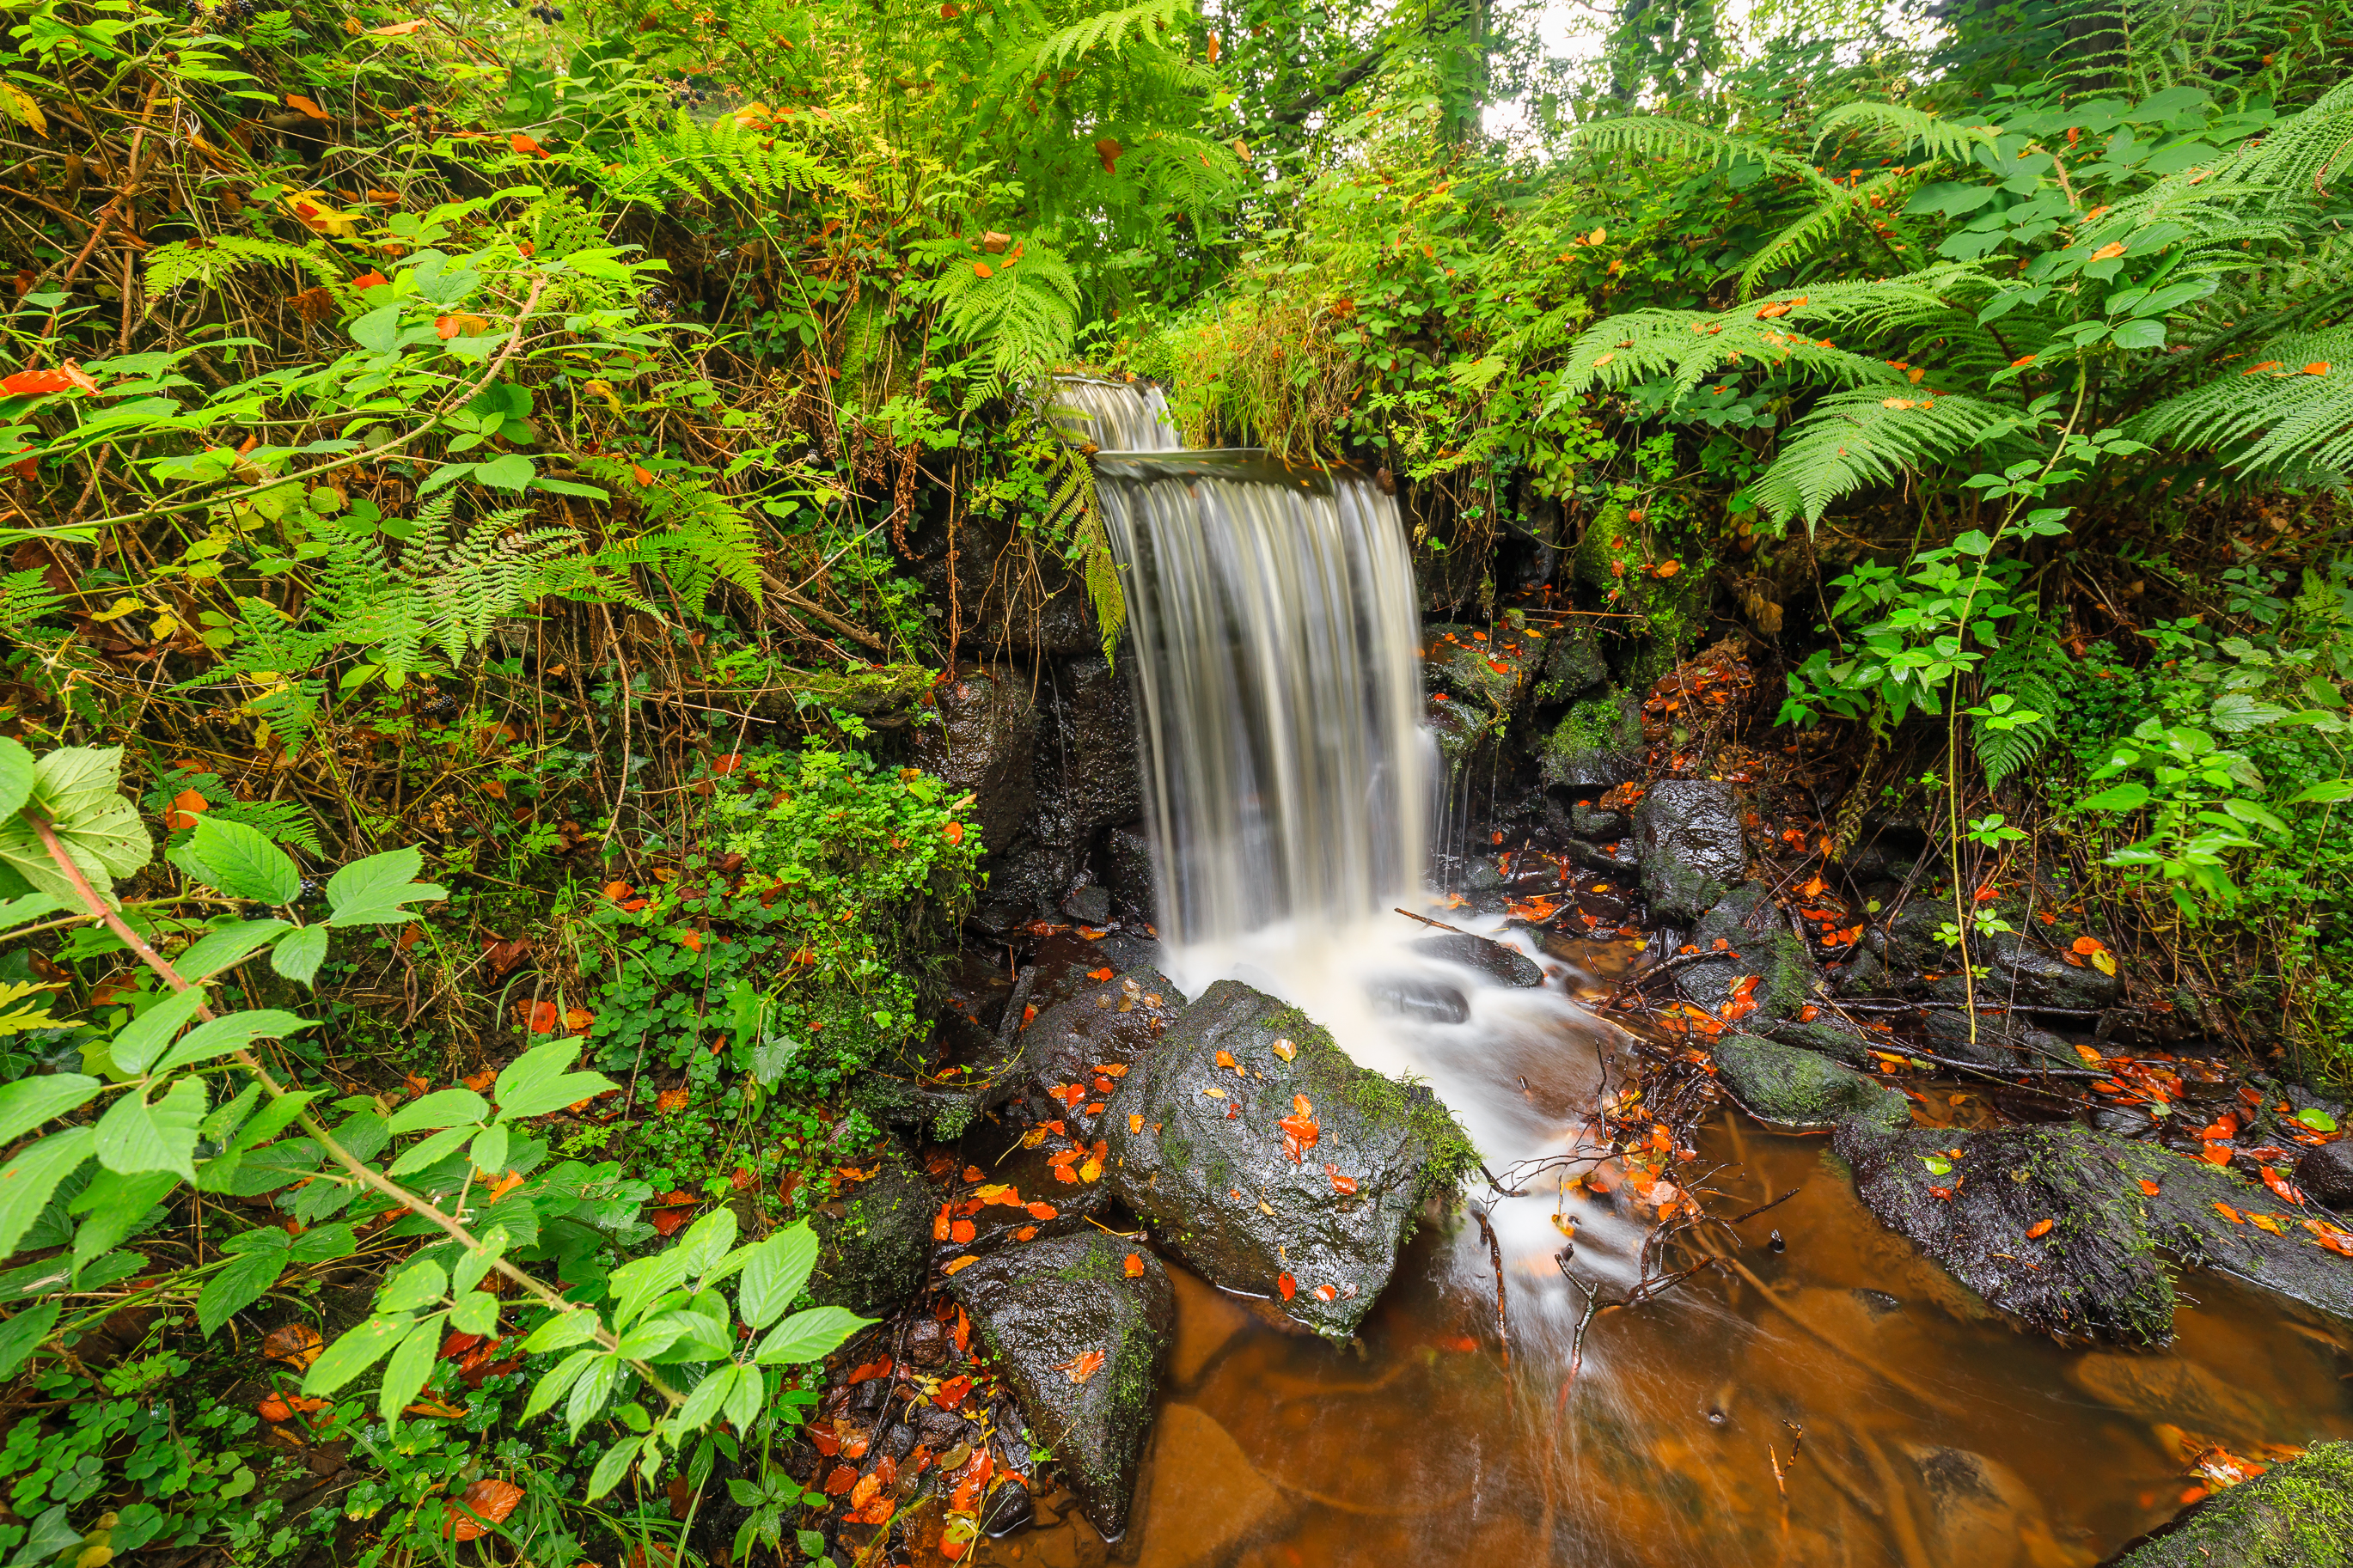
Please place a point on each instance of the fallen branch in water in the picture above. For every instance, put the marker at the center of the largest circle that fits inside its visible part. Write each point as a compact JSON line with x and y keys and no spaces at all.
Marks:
{"x":1496,"y":1254}
{"x":1442,"y":925}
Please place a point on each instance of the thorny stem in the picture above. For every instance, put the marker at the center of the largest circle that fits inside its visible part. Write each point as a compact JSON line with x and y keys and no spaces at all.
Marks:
{"x":360,"y":1171}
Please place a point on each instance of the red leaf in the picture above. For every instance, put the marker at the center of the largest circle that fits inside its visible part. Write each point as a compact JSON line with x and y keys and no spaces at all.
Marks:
{"x":492,"y":1500}
{"x":543,"y":1018}
{"x":962,"y":1232}
{"x":1041,"y":1211}
{"x":842,"y":1478}
{"x":1081,"y":1366}
{"x":952,"y":1393}
{"x":1135,"y":1266}
{"x":678,"y":1207}
{"x":2148,"y":1189}
{"x":525,"y":145}
{"x":1287,"y":1285}
{"x":2040,"y":1228}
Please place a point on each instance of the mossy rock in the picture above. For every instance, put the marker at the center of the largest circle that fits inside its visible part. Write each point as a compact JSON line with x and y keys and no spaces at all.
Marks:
{"x":2295,"y":1515}
{"x":874,"y":1238}
{"x":2101,"y":1266}
{"x":1573,"y":665}
{"x":1198,"y":1151}
{"x":1827,"y":1036}
{"x":1689,"y":834}
{"x":1797,"y":1091}
{"x":1597,"y":745}
{"x":1079,"y":1327}
{"x":1495,"y":665}
{"x":1760,"y":942}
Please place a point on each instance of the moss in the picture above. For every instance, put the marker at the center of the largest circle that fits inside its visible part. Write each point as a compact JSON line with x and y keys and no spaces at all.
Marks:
{"x":1387,"y":1101}
{"x":2299,"y":1515}
{"x":1176,"y":1150}
{"x":1594,"y":733}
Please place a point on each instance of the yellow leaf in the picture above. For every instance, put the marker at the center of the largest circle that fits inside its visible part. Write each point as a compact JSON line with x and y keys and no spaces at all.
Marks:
{"x":23,"y":105}
{"x":314,"y":212}
{"x":117,"y":610}
{"x":2104,"y":962}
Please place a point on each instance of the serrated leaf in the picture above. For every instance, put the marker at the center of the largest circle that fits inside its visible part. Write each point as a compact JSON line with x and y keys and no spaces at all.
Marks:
{"x":244,"y":1280}
{"x":298,"y":957}
{"x":751,"y":1393}
{"x":224,"y":948}
{"x":707,"y":1240}
{"x":557,"y":1383}
{"x":477,"y":1312}
{"x":30,"y":1179}
{"x":563,"y":1330}
{"x":29,"y":1101}
{"x":22,"y":1334}
{"x":371,"y":892}
{"x":489,"y":1151}
{"x":411,"y":1364}
{"x":809,"y":1336}
{"x":354,"y":1352}
{"x":77,"y":790}
{"x":467,"y":1271}
{"x":15,"y":777}
{"x":233,"y":1032}
{"x":703,"y":1403}
{"x":137,"y":1135}
{"x":775,"y":1274}
{"x":588,"y":1395}
{"x":443,"y":1108}
{"x":239,"y":860}
{"x":420,"y":1284}
{"x":144,"y":1038}
{"x":613,"y":1466}
{"x":2117,"y":797}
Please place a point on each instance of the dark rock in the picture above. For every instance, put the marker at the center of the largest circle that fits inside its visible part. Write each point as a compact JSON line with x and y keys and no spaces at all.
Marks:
{"x":1042,"y":1310}
{"x":984,"y":745}
{"x":1827,"y":1035}
{"x":1598,"y":824}
{"x":2098,"y":1271}
{"x":962,"y":1071}
{"x":2122,"y":1121}
{"x":1797,"y":1089}
{"x":2027,"y":975}
{"x":1418,"y":997}
{"x":1089,"y":905}
{"x":1758,"y":943}
{"x":1688,"y":833}
{"x":872,"y":1254}
{"x":2294,"y":1515}
{"x":2326,"y":1174}
{"x":1597,"y":745}
{"x":1033,"y":1178}
{"x":1504,"y":966}
{"x":1084,"y":763}
{"x":1617,"y":856}
{"x":1491,"y":667}
{"x":1112,"y":1022}
{"x":1123,"y":857}
{"x":1860,"y":974}
{"x":2004,"y":1038}
{"x":1573,"y":665}
{"x":1208,"y":1168}
{"x":1980,"y":1511}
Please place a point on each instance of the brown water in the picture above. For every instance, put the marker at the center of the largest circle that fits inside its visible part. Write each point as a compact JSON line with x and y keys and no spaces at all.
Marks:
{"x":1929,"y":1433}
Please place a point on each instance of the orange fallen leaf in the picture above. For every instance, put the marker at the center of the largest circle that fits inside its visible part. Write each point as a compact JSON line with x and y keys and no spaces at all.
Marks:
{"x":2226,"y":1212}
{"x":671,"y":1101}
{"x":962,"y":1232}
{"x":298,"y":1344}
{"x":966,"y":1261}
{"x":2109,"y":251}
{"x":840,"y":1480}
{"x":492,"y":1500}
{"x":677,"y":1208}
{"x":1099,"y":973}
{"x":183,"y":809}
{"x":1287,"y":1285}
{"x":527,"y":146}
{"x":2148,"y":1189}
{"x":1041,"y":1211}
{"x":1340,"y":1183}
{"x":296,"y":101}
{"x":2215,"y":1154}
{"x":1081,"y":1366}
{"x":1134,"y":1122}
{"x":1135,"y":1266}
{"x":399,"y":30}
{"x":461,"y":323}
{"x":279,"y":1408}
{"x":2040,"y":1228}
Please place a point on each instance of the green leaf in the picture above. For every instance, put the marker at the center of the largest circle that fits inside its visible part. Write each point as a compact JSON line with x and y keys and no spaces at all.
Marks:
{"x":809,"y":1336}
{"x":298,"y":957}
{"x":324,"y":1244}
{"x":467,"y":1271}
{"x":234,"y":1032}
{"x":477,"y":1312}
{"x":135,"y":1136}
{"x":33,"y":1176}
{"x":240,"y":860}
{"x":552,"y":1386}
{"x":1938,"y":1167}
{"x":751,"y":1392}
{"x":564,"y":1330}
{"x":775,"y":1273}
{"x":489,"y":1150}
{"x":512,"y":472}
{"x":242,"y":1281}
{"x":709,"y":1394}
{"x":588,"y":1395}
{"x":22,"y":1334}
{"x":2142,"y":332}
{"x":536,"y":1082}
{"x":228,"y":947}
{"x":411,"y":1364}
{"x":706,"y":1241}
{"x":29,"y":1101}
{"x":143,"y":1038}
{"x":371,"y":892}
{"x":2311,"y":1116}
{"x":354,"y":1352}
{"x":379,"y":330}
{"x":613,"y":1466}
{"x":77,"y":790}
{"x":2120,"y":797}
{"x":15,"y":777}
{"x":421,"y":1284}
{"x":2330,"y":790}
{"x":443,"y":1108}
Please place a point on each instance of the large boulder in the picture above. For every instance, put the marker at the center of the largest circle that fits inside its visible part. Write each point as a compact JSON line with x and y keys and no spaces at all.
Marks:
{"x":1597,"y":745}
{"x":1504,"y":966}
{"x":1825,"y":1035}
{"x":1079,"y":1327}
{"x":2116,"y":1211}
{"x":943,"y":1083}
{"x":1694,"y":852}
{"x":873,"y":1237}
{"x":1492,"y":667}
{"x":2027,"y":974}
{"x":1075,"y":1053}
{"x":1312,"y":1214}
{"x":1756,"y":942}
{"x":1084,"y":763}
{"x":984,"y":746}
{"x":1573,"y":664}
{"x":2295,"y":1515}
{"x":1797,"y":1089}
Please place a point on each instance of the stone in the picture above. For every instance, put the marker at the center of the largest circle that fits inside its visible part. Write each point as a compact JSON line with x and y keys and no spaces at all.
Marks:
{"x":1694,"y":852}
{"x":2101,"y":1269}
{"x":1760,"y":944}
{"x":944,"y":1082}
{"x":1085,"y":764}
{"x":1198,"y":1151}
{"x":1418,"y":997}
{"x":1573,"y":664}
{"x":2002,"y":1039}
{"x":1979,"y":1512}
{"x":1109,"y":1023}
{"x":1491,"y":667}
{"x":2027,"y":976}
{"x":2326,"y":1174}
{"x":1798,"y":1090}
{"x":1123,"y":860}
{"x":984,"y":746}
{"x":875,"y":1240}
{"x":2295,"y":1515}
{"x":1504,"y":966}
{"x":1080,"y":1342}
{"x":1204,"y":1500}
{"x":1597,"y":745}
{"x":1088,"y":904}
{"x":2170,"y":1391}
{"x":1828,"y":1035}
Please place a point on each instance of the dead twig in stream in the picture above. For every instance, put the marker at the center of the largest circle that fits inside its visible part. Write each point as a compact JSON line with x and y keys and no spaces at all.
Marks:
{"x":1495,"y":1255}
{"x":1425,"y":919}
{"x":1634,"y":983}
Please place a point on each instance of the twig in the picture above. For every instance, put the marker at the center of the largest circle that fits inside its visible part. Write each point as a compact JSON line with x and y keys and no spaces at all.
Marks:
{"x":1496,"y":1254}
{"x":1442,"y":925}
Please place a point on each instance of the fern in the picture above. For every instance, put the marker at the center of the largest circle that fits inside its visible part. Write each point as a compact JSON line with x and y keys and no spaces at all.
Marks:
{"x":1023,"y":314}
{"x":1900,"y":126}
{"x":25,"y":597}
{"x":1821,"y":227}
{"x":285,"y":821}
{"x":2289,"y":401}
{"x":1862,"y":438}
{"x":697,"y":540}
{"x":207,"y":262}
{"x":1662,"y":136}
{"x":2020,"y":669}
{"x":724,"y":160}
{"x":1105,"y":29}
{"x":1073,"y":523}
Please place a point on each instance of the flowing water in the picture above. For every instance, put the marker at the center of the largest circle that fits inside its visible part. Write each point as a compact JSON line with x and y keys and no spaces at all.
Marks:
{"x":1826,"y":1397}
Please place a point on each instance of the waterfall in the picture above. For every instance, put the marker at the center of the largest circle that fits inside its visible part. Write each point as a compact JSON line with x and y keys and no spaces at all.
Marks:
{"x":1112,"y":415}
{"x":1273,"y":622}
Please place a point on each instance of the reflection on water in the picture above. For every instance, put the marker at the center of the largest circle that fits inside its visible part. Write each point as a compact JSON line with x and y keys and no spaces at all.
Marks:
{"x":1909,"y":1424}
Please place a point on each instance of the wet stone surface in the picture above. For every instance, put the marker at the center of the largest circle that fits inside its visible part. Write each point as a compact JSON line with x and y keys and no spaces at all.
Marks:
{"x":1078,"y":1328}
{"x":1688,"y":833}
{"x":1074,"y":1054}
{"x":1272,"y":1164}
{"x":1800,"y":1091}
{"x":2297,"y":1515}
{"x":1504,"y":966}
{"x":874,"y":1238}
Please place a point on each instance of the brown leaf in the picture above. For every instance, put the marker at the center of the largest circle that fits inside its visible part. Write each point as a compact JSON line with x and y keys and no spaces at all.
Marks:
{"x":298,"y":1344}
{"x":295,"y":100}
{"x":491,"y":1499}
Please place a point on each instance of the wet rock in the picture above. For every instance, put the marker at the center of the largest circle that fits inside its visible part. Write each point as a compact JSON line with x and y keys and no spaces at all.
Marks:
{"x":1797,"y":1089}
{"x":1979,"y":1512}
{"x":1758,"y":943}
{"x":983,"y":745}
{"x":1599,"y":823}
{"x":2005,"y":1038}
{"x":1504,"y":966}
{"x":2295,"y":1515}
{"x":2163,"y":1389}
{"x":1087,"y":779}
{"x":1088,"y":904}
{"x":1043,"y":1199}
{"x":2026,"y":974}
{"x":874,"y":1240}
{"x":1198,"y":1151}
{"x":1107,"y":1024}
{"x":2122,"y":1121}
{"x":1688,"y":833}
{"x":1123,"y":857}
{"x":2101,"y":1268}
{"x":1573,"y":665}
{"x":943,"y":1083}
{"x":2326,"y":1174}
{"x":1827,"y":1035}
{"x":1617,"y":856}
{"x":1420,"y":999}
{"x":1204,"y":1500}
{"x":1598,"y":745}
{"x":1494,"y":667}
{"x":1080,"y":1342}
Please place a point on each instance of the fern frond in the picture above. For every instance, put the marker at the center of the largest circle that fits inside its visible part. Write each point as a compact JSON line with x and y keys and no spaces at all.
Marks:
{"x":208,"y":262}
{"x":723,"y":161}
{"x":1898,"y":126}
{"x":25,"y":597}
{"x":2291,"y":402}
{"x":1104,"y":29}
{"x":1022,"y":316}
{"x":697,"y":540}
{"x":1659,"y":136}
{"x":1819,"y":228}
{"x":2020,"y":669}
{"x":1853,"y":439}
